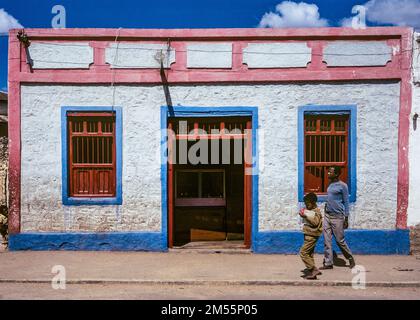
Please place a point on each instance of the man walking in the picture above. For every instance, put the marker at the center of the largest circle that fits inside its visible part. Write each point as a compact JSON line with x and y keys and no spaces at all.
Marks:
{"x":336,"y":218}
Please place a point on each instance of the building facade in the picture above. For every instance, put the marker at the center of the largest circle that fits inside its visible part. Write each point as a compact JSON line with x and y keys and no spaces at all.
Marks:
{"x":125,"y":139}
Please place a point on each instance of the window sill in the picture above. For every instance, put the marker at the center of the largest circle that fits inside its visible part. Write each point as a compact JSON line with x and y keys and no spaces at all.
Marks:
{"x":71,"y":201}
{"x":323,"y":198}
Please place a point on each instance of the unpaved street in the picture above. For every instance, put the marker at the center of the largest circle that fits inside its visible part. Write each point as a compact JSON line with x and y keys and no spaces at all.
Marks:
{"x":167,"y":292}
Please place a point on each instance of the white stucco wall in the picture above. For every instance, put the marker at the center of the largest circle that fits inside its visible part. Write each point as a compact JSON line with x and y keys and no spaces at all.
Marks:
{"x":277,"y":55}
{"x":416,"y":57}
{"x":139,"y":55}
{"x":209,"y":55}
{"x":69,"y":55}
{"x":357,"y":53}
{"x":414,"y":158}
{"x":414,"y":146}
{"x":42,"y":208}
{"x":377,"y":134}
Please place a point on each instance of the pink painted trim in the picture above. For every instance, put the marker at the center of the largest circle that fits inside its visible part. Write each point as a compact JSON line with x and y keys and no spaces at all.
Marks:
{"x":317,"y":62}
{"x":202,"y":76}
{"x":14,"y":138}
{"x":198,"y":34}
{"x":180,"y":58}
{"x":98,"y":52}
{"x":404,"y":131}
{"x":237,"y":49}
{"x":100,"y":72}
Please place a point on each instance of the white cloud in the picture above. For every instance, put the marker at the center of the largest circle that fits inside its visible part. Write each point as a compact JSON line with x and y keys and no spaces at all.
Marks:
{"x":7,"y":22}
{"x":346,"y":22}
{"x":293,"y":15}
{"x":396,"y":12}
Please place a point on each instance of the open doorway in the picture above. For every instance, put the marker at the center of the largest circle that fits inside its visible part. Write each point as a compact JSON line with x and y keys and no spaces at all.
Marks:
{"x":208,"y":190}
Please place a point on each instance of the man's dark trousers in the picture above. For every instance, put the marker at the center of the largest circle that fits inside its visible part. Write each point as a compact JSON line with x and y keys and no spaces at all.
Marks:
{"x":334,"y":225}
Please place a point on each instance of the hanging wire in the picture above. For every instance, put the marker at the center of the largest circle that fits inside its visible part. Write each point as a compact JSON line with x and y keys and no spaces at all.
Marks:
{"x":114,"y":70}
{"x":120,"y":46}
{"x":142,"y":48}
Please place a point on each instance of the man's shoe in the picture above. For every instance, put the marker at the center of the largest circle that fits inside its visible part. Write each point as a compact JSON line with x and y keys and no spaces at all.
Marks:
{"x":324,"y":267}
{"x":352,"y":263}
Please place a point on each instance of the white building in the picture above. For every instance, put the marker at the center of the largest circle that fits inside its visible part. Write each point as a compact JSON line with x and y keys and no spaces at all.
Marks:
{"x":88,"y":136}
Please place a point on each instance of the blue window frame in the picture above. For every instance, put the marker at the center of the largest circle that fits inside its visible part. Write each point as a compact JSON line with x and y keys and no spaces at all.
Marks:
{"x":68,"y":200}
{"x":351,"y":111}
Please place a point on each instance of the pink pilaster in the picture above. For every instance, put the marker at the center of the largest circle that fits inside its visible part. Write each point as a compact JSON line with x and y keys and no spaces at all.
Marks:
{"x":14,"y":135}
{"x":404,"y":130}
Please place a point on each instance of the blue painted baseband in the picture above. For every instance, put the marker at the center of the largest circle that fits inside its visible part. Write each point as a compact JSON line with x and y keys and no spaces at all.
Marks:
{"x":107,"y":241}
{"x":282,"y":242}
{"x":381,"y":242}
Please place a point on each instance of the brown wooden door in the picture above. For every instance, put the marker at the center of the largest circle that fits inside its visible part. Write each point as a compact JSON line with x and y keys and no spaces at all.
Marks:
{"x":195,"y":123}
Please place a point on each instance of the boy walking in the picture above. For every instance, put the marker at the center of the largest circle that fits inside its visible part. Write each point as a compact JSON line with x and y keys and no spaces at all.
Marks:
{"x":312,"y":229}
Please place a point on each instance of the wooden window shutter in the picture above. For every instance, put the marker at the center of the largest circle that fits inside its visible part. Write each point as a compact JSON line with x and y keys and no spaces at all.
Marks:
{"x":325,"y":145}
{"x":91,"y":152}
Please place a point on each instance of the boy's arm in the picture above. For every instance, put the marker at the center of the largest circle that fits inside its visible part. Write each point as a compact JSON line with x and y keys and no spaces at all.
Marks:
{"x":314,"y":221}
{"x":302,"y":212}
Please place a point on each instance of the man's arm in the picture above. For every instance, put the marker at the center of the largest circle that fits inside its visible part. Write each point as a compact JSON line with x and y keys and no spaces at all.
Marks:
{"x":346,"y":199}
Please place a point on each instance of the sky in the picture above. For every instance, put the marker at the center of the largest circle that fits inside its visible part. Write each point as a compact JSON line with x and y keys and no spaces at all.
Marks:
{"x":198,"y":14}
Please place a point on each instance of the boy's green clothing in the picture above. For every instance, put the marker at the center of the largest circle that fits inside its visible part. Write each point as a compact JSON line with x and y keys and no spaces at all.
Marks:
{"x":313,"y":223}
{"x":307,"y":251}
{"x":312,"y":230}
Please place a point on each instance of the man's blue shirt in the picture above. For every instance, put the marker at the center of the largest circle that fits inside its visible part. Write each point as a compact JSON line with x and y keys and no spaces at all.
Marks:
{"x":338,"y":198}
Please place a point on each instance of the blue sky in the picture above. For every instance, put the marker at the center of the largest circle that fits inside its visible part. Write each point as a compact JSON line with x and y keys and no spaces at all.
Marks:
{"x":178,"y":14}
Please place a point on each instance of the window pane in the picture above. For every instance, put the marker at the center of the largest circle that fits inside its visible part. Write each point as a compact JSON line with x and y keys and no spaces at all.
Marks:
{"x":93,"y":150}
{"x":212,"y":185}
{"x":326,"y":125}
{"x":340,"y":125}
{"x":107,"y":126}
{"x":310,"y":125}
{"x":92,"y":126}
{"x":187,"y":184}
{"x":314,"y":179}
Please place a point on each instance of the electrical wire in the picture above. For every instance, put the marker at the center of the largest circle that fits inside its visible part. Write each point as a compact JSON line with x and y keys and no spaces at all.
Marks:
{"x":142,"y":48}
{"x":120,"y":47}
{"x":116,"y":66}
{"x":114,"y":70}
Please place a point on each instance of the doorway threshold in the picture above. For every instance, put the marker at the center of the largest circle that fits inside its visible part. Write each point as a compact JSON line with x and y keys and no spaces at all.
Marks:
{"x":227,"y":246}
